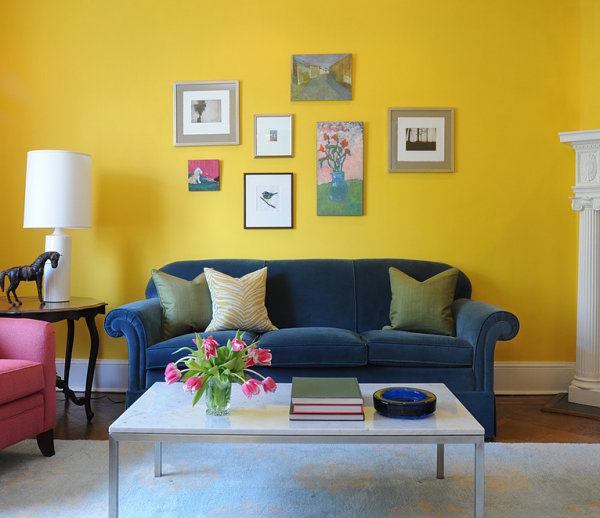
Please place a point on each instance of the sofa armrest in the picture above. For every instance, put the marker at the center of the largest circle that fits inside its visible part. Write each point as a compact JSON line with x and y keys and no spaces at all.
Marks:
{"x":140,"y":323}
{"x":482,"y":325}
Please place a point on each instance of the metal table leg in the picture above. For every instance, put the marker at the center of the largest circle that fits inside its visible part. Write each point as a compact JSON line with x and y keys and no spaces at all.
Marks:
{"x":113,"y":478}
{"x":479,"y":478}
{"x":158,"y":459}
{"x":440,"y":460}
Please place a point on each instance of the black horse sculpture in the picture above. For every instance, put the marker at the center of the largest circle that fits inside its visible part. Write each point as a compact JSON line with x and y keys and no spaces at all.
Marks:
{"x":34,"y":271}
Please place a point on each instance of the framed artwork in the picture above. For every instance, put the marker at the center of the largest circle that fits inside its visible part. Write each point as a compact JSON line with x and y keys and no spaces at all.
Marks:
{"x":203,"y":175}
{"x":321,"y":77}
{"x":421,"y":140}
{"x":206,"y":113}
{"x":340,"y":168}
{"x":268,"y":200}
{"x":272,"y":136}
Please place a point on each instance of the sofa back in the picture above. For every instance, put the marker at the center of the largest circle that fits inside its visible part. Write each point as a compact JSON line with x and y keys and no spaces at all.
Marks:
{"x":311,"y":293}
{"x":342,"y":293}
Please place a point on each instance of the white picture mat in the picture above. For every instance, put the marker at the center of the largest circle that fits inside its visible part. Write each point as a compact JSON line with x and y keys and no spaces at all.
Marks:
{"x":283,"y":126}
{"x":205,"y":128}
{"x":260,"y":214}
{"x":404,"y":123}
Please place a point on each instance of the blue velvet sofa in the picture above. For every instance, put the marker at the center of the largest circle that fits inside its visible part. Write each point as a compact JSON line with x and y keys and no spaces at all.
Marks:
{"x":330,"y":314}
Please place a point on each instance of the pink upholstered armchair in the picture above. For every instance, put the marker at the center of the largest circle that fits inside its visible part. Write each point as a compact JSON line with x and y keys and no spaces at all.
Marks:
{"x":27,"y":383}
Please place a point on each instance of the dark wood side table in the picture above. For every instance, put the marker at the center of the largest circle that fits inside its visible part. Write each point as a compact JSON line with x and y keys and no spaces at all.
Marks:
{"x":74,"y":309}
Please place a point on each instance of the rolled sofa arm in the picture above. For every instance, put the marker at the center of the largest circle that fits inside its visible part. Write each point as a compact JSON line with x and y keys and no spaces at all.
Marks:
{"x":483,"y":325}
{"x":140,"y":323}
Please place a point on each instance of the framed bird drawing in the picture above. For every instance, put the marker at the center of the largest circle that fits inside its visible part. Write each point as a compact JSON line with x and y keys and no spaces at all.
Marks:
{"x":268,"y":200}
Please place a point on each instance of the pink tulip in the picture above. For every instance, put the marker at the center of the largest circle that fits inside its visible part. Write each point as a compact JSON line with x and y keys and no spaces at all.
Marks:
{"x":192,"y":384}
{"x":249,"y":361}
{"x":251,"y":388}
{"x":263,"y":356}
{"x":210,"y":347}
{"x":238,"y":345}
{"x":268,"y":385}
{"x":172,"y":374}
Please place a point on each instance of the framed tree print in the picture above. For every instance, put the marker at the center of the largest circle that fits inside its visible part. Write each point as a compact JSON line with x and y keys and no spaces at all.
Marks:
{"x":206,"y":113}
{"x":268,"y":200}
{"x":420,"y":140}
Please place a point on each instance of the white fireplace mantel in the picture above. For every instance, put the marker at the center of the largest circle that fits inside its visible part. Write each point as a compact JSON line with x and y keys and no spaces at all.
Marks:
{"x":585,"y":386}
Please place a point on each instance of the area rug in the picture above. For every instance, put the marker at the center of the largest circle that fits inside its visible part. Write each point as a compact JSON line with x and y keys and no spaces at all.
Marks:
{"x":290,"y":481}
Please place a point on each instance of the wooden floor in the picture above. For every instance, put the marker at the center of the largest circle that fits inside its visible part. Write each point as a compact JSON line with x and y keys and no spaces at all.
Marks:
{"x":520,"y":419}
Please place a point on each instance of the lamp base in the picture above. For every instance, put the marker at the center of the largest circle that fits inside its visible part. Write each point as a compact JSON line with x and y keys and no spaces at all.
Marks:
{"x":57,"y":281}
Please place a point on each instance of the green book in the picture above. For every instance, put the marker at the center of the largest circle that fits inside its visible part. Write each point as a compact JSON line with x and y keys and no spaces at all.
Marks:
{"x":326,"y":391}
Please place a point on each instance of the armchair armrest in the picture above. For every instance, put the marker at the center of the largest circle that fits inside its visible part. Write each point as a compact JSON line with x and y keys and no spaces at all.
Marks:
{"x":27,"y":339}
{"x":33,"y":340}
{"x":482,"y":325}
{"x":140,"y":323}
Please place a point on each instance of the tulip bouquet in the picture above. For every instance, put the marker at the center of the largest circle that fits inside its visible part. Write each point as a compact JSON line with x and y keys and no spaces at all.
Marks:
{"x":223,"y":365}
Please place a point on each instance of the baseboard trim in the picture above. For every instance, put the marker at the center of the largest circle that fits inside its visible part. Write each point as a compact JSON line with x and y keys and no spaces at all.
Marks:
{"x":110,"y":375}
{"x":509,"y":377}
{"x":515,"y":378}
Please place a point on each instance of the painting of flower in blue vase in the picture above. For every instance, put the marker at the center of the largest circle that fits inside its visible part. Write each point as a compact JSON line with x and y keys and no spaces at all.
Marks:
{"x":340,"y":168}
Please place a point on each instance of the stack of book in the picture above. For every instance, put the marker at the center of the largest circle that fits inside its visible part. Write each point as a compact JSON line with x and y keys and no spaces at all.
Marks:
{"x":326,"y":399}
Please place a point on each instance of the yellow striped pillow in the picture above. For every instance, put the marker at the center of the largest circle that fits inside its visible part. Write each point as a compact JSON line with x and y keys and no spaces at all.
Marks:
{"x":238,"y":303}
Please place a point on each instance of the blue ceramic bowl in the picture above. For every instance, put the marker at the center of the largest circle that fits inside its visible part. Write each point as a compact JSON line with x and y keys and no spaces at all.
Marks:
{"x":404,"y":402}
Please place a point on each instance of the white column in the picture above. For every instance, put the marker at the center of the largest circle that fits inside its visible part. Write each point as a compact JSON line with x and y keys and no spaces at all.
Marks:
{"x":585,"y":387}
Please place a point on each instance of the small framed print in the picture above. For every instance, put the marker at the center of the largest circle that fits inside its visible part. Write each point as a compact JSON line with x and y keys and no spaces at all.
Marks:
{"x":203,"y":175}
{"x":206,"y":113}
{"x":268,"y":200}
{"x":421,"y":140}
{"x":272,"y":136}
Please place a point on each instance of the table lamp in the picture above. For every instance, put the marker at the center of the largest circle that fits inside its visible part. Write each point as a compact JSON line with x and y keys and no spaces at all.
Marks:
{"x":58,"y":191}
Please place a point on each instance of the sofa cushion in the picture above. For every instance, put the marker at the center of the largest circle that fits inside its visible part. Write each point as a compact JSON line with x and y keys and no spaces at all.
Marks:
{"x":186,"y":305}
{"x":404,"y":348}
{"x":19,"y":378}
{"x":238,"y":303}
{"x":425,"y":307}
{"x":373,"y":291}
{"x":314,"y":347}
{"x":158,"y":356}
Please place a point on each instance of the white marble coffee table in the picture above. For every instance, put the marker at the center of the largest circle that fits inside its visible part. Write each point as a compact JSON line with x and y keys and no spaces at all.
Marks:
{"x":165,"y":413}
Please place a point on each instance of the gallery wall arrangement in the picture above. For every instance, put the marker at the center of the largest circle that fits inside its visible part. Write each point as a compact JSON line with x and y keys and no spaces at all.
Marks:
{"x":207,"y":113}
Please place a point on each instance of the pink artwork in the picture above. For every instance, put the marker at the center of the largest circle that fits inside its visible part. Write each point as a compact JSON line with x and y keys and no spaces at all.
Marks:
{"x":339,"y":168}
{"x":203,"y":175}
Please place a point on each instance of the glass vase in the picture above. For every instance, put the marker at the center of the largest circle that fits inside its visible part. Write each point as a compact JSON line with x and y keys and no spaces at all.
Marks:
{"x":338,"y":188}
{"x":218,"y":397}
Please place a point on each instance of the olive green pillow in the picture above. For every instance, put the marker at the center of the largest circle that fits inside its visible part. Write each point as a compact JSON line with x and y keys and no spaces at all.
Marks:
{"x":186,"y":305}
{"x":424,"y":307}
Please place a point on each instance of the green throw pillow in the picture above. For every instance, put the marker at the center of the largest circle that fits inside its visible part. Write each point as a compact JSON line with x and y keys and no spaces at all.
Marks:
{"x":186,"y":305}
{"x":424,"y":307}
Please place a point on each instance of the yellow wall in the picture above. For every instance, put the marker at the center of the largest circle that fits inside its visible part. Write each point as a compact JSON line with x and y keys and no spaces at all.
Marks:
{"x":590,"y":71}
{"x":97,"y":77}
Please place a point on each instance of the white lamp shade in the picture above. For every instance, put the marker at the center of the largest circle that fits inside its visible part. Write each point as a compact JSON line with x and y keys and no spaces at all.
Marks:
{"x":58,"y":190}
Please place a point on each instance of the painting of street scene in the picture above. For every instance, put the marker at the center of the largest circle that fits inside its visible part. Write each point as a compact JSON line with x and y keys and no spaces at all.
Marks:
{"x":321,"y":77}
